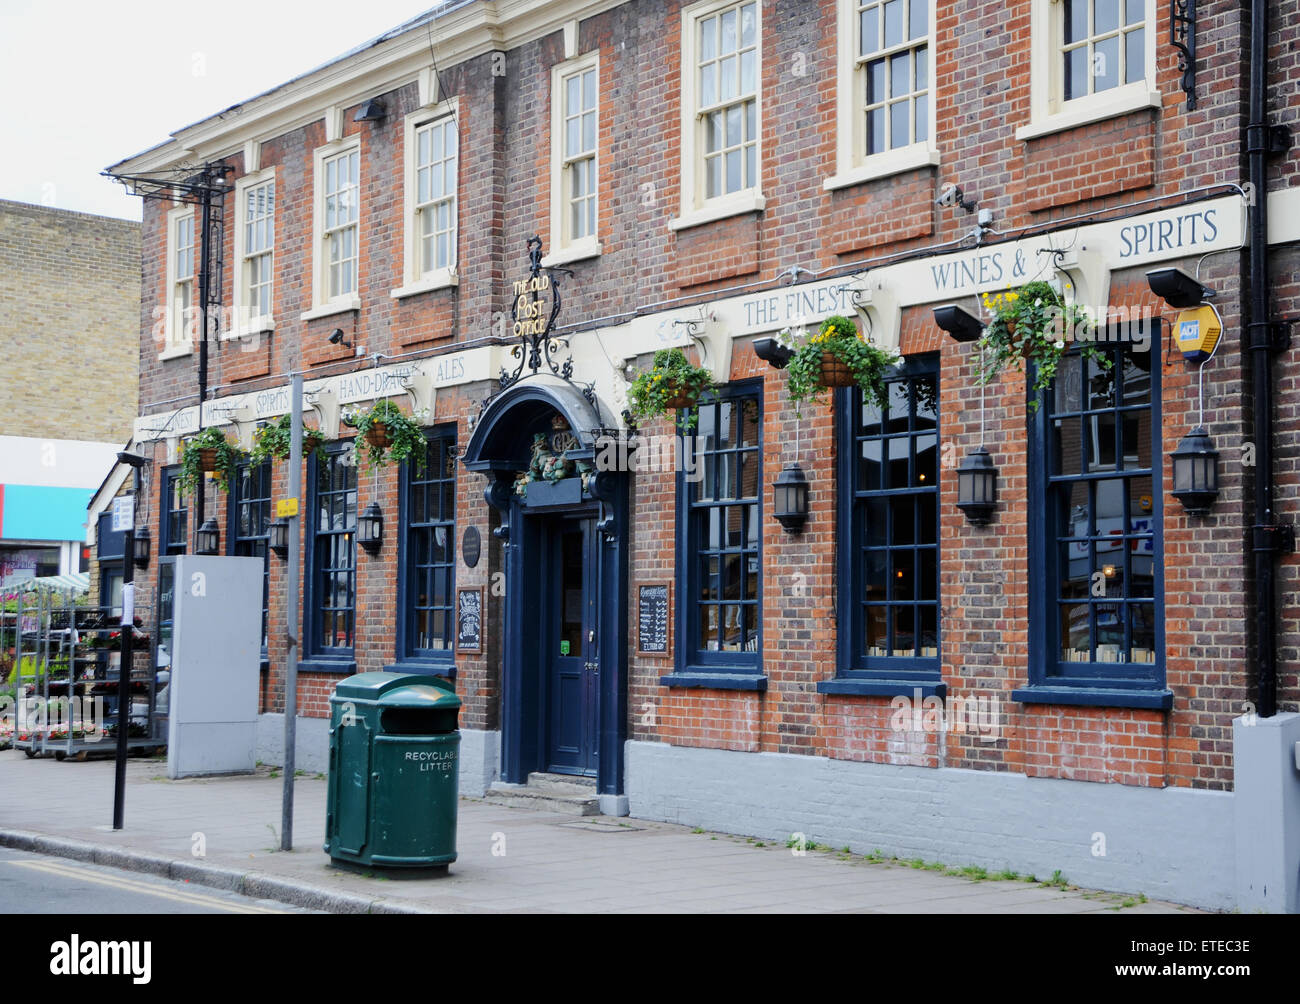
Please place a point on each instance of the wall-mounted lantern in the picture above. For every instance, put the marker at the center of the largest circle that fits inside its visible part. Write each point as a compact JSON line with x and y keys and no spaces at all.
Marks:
{"x":977,"y":487}
{"x":1196,"y":472}
{"x":370,"y":528}
{"x":208,"y":538}
{"x":140,"y":547}
{"x":278,"y":536}
{"x":790,"y":498}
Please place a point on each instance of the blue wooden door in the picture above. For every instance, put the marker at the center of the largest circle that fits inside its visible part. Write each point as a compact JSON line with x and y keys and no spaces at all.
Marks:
{"x":570,"y":633}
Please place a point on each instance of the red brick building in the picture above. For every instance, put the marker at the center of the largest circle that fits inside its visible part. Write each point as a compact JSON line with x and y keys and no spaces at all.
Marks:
{"x":711,"y":174}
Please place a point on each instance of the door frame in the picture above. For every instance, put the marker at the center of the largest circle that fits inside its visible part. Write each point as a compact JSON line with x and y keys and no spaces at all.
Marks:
{"x":524,"y":670}
{"x":555,"y":527}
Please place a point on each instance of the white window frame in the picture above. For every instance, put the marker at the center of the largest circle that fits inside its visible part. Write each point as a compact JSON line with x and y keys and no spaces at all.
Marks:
{"x":1049,"y":112}
{"x":695,"y":207}
{"x":852,"y":165}
{"x":179,"y":331}
{"x":321,"y":305}
{"x":414,"y":280}
{"x":245,"y":323}
{"x":564,"y":248}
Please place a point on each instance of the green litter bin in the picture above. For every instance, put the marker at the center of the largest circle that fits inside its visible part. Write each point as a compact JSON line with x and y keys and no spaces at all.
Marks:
{"x":394,"y":771}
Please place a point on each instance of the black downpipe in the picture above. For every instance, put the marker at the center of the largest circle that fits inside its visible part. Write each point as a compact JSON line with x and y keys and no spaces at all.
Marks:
{"x":205,"y":281}
{"x":1265,"y":536}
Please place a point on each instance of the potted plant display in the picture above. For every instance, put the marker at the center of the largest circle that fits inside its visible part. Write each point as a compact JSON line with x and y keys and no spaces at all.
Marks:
{"x":273,"y":441}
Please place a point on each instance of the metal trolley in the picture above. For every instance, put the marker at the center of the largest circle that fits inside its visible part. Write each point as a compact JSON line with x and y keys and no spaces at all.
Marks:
{"x":68,"y":688}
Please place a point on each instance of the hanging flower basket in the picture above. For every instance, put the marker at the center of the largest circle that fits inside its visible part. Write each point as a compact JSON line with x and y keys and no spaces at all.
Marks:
{"x":836,"y":356}
{"x":208,"y":452}
{"x":390,"y":436}
{"x":1034,"y":324}
{"x":671,"y":383}
{"x":208,"y":458}
{"x":835,"y":372}
{"x":378,"y":437}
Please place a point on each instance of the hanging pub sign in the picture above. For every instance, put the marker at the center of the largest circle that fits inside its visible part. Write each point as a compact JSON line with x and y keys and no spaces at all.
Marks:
{"x":534,"y":306}
{"x":1198,"y":332}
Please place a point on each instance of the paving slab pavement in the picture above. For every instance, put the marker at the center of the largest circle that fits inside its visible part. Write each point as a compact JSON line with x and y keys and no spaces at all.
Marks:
{"x":511,"y":860}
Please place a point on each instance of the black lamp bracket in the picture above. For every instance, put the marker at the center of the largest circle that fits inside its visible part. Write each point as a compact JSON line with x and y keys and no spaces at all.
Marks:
{"x":1182,"y":36}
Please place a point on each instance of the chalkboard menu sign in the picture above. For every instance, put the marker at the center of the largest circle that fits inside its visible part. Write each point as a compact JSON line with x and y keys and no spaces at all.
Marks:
{"x":469,"y":620}
{"x":652,"y":619}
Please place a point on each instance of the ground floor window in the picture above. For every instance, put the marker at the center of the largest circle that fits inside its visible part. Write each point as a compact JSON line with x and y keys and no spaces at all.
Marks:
{"x":332,"y":575}
{"x":428,"y":556}
{"x":251,"y":521}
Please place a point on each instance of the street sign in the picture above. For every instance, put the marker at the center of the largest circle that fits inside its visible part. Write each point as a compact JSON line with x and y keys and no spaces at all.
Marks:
{"x":123,"y":514}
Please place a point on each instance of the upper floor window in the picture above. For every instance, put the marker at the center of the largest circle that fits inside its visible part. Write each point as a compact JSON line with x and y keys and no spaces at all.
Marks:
{"x":1103,"y":45}
{"x":1095,"y":525}
{"x":432,"y":189}
{"x":889,"y":550}
{"x":255,"y":252}
{"x":1091,"y":60}
{"x":721,"y":555}
{"x":182,"y":306}
{"x":885,"y":108}
{"x":721,"y":110}
{"x":335,"y":279}
{"x":575,"y":104}
{"x":435,"y":184}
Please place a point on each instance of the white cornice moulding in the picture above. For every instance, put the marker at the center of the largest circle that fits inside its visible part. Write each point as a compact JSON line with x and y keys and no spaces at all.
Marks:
{"x":882,"y":315}
{"x":463,"y":35}
{"x":419,"y":387}
{"x":325,"y":403}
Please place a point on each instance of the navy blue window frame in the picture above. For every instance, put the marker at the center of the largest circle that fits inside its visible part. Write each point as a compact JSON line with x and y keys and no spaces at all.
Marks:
{"x":418,"y":491}
{"x":336,"y":462}
{"x":173,"y":515}
{"x":1053,"y":679}
{"x":861,"y":671}
{"x":248,"y":532}
{"x":697,"y":667}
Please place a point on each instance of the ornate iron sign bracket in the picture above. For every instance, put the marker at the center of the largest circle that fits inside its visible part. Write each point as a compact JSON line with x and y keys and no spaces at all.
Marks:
{"x":1182,"y":36}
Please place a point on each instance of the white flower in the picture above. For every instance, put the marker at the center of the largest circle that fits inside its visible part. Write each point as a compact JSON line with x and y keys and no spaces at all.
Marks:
{"x":1059,"y":345}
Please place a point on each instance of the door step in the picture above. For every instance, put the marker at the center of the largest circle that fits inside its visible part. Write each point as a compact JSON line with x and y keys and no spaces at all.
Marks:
{"x":560,"y":793}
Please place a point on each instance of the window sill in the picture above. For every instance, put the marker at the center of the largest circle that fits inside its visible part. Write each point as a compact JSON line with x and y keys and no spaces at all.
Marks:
{"x":351,"y":304}
{"x":338,"y":667}
{"x":882,"y":688}
{"x":750,"y":201}
{"x":257,"y":326}
{"x":884,"y":165}
{"x":691,"y":680}
{"x":583,"y":250}
{"x":1084,"y":111}
{"x":445,"y":278}
{"x":1096,"y":697}
{"x":175,"y":352}
{"x":422,"y":667}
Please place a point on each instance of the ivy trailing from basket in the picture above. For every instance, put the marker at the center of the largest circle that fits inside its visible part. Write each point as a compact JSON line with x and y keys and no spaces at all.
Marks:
{"x":274,"y":440}
{"x":1034,"y":324}
{"x":225,"y":453}
{"x":671,"y":382}
{"x":810,"y":372}
{"x":387,"y":435}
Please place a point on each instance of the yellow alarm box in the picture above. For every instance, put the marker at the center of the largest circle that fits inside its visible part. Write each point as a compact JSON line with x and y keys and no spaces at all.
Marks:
{"x":1198,"y":332}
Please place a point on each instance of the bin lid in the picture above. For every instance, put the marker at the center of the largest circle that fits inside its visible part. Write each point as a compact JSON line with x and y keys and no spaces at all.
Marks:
{"x":399,"y":690}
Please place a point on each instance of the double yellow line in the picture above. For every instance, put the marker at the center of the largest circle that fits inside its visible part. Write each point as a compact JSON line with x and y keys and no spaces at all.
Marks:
{"x":145,"y":888}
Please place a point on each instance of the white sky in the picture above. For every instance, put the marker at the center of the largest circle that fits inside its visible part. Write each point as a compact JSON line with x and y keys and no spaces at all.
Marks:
{"x":87,"y":83}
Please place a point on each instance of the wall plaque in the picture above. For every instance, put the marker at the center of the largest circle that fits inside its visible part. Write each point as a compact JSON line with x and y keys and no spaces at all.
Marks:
{"x":469,"y":620}
{"x":471,"y":546}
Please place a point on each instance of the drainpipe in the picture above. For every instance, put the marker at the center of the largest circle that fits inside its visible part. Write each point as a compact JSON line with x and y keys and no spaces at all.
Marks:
{"x":1269,"y":538}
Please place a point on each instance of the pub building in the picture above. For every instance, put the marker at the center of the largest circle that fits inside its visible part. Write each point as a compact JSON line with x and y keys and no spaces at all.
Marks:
{"x":1033,"y":623}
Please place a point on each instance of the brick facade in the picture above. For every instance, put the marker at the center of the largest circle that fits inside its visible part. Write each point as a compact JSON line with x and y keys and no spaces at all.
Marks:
{"x":1128,"y":165}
